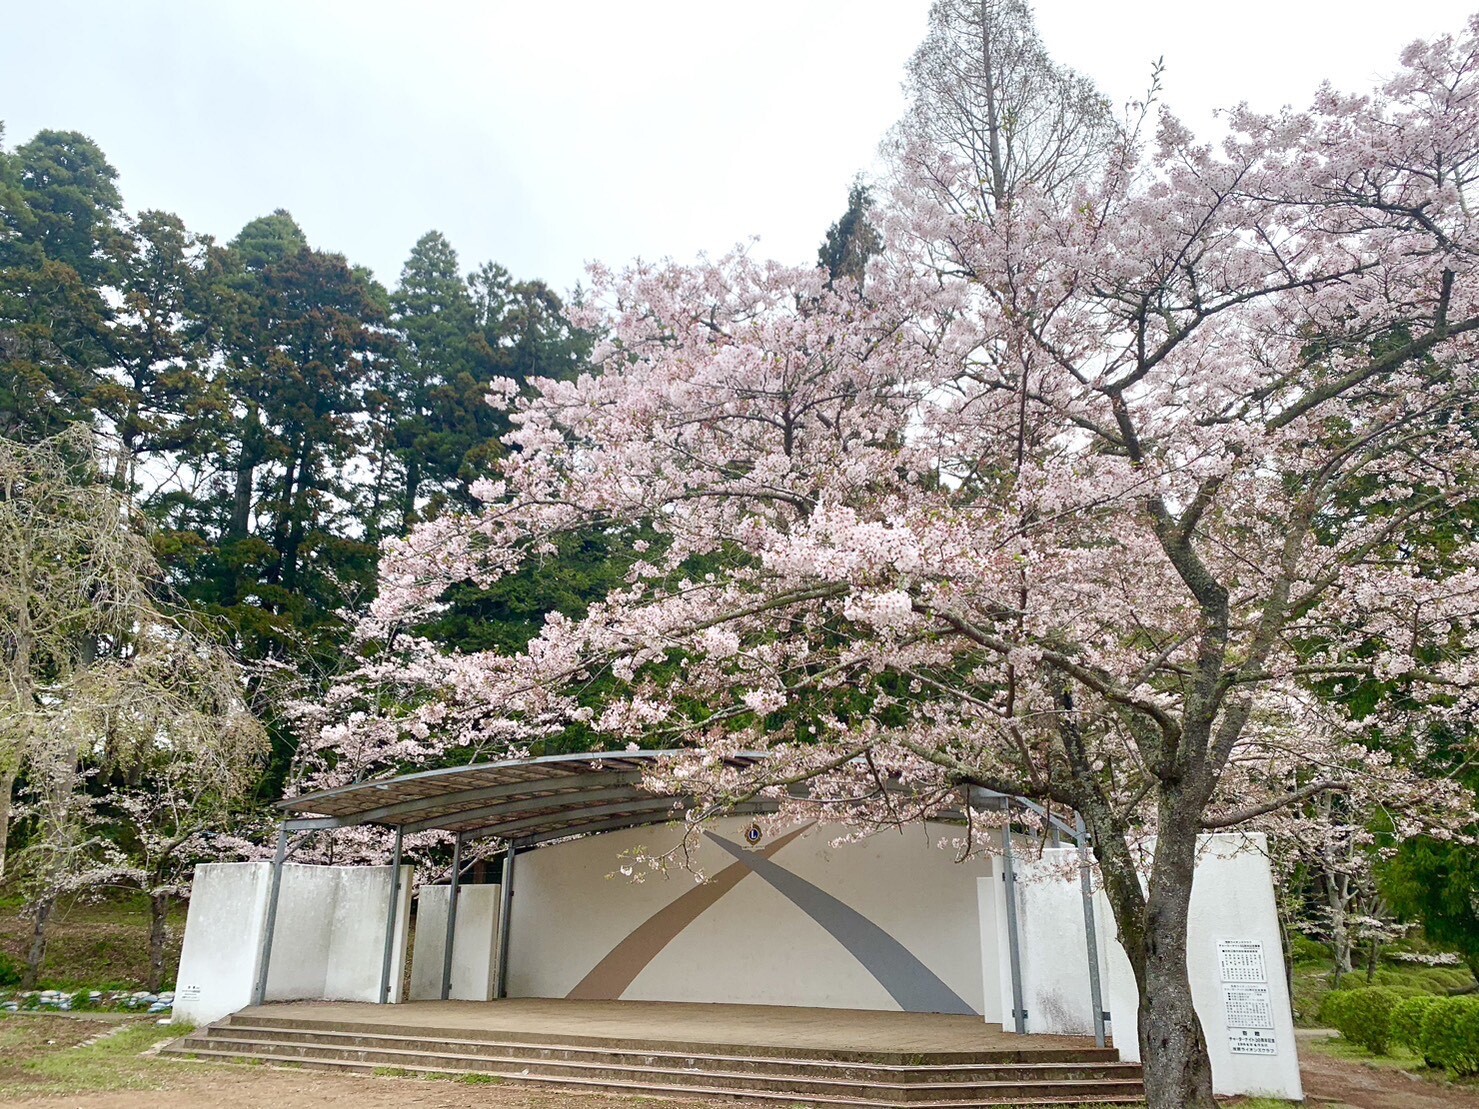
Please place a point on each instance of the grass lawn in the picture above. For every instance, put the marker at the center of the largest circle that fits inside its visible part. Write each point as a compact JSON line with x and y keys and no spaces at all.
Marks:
{"x":51,"y":1054}
{"x":1398,"y":1058}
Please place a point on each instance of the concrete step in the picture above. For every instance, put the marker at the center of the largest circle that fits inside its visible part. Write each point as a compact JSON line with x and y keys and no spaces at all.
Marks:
{"x":545,"y":1055}
{"x":668,"y":1089}
{"x":1030,"y":1054}
{"x":780,"y":1085}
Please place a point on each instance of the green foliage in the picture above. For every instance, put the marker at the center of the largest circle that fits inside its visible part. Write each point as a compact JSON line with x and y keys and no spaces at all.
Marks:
{"x":1407,"y":1021}
{"x":58,"y":244}
{"x":1331,"y":1007}
{"x":280,"y":412}
{"x":1363,"y":1016}
{"x":1436,"y":882}
{"x":584,"y":567}
{"x":1302,"y":949}
{"x":852,"y":240}
{"x":1450,"y":1034}
{"x":10,"y":971}
{"x":458,"y":334}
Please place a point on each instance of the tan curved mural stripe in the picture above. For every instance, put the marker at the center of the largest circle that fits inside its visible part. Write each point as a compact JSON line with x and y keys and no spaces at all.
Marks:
{"x":609,"y":978}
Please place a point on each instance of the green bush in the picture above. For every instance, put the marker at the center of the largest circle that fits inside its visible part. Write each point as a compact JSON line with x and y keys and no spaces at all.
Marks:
{"x":1302,"y":949}
{"x":1364,"y":1016}
{"x":1407,"y":1023}
{"x":1450,"y":1034}
{"x":10,"y":971}
{"x":1330,"y":1007}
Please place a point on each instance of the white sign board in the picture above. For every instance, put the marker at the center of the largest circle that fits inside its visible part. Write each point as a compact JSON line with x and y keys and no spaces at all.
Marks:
{"x":1247,"y":1008}
{"x":1241,"y":961}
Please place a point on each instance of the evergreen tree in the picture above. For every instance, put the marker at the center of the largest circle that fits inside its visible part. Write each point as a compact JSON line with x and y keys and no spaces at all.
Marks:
{"x":58,"y":246}
{"x":436,"y":415}
{"x":852,"y":240}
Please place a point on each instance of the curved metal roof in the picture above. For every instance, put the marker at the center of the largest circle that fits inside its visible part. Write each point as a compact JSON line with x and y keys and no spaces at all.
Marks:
{"x":532,"y":801}
{"x":526,"y":801}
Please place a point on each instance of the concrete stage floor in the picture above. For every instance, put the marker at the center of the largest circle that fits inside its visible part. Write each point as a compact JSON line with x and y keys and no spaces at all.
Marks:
{"x":772,"y":1026}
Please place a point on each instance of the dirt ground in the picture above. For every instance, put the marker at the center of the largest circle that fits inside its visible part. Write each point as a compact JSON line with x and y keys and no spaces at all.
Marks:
{"x":96,"y":944}
{"x":1332,"y":1082}
{"x":240,"y":1087}
{"x":1328,"y":1083}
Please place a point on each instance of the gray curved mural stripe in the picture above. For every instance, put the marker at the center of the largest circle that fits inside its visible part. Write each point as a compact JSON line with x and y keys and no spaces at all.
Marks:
{"x":913,"y":985}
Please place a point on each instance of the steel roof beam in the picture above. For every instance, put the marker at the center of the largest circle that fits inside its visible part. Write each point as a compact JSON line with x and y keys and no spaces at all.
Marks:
{"x":660,"y":816}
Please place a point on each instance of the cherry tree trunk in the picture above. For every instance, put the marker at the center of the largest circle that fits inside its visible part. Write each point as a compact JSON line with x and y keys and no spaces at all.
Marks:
{"x":7,"y":786}
{"x":37,"y":954}
{"x":158,"y":934}
{"x":1173,"y":1049}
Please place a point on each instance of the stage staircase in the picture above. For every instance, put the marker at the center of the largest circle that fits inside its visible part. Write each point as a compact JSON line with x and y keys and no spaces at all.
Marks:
{"x":755,"y":1076}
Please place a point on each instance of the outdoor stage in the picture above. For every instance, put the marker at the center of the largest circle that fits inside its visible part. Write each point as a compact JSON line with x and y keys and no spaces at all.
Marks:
{"x":761,"y":1054}
{"x":805,"y":966}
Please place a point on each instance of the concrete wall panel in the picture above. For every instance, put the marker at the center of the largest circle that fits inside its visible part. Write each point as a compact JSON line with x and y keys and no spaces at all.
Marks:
{"x":223,"y":936}
{"x":328,"y":943}
{"x":301,"y":939}
{"x":356,"y":933}
{"x":1055,"y":951}
{"x":473,"y":947}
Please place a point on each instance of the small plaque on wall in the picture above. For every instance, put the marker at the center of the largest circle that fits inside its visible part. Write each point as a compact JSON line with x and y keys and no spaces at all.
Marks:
{"x":1251,"y":1041}
{"x":1245,"y":1007}
{"x":1241,"y":961}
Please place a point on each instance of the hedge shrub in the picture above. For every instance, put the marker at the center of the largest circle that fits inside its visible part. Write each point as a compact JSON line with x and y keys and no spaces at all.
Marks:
{"x":1330,"y":1007}
{"x":1364,"y":1016}
{"x":1450,"y":1034}
{"x":1407,"y":1023}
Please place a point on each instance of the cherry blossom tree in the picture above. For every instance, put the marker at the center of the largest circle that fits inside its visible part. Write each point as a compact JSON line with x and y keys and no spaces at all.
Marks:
{"x":1083,"y":502}
{"x":113,"y":704}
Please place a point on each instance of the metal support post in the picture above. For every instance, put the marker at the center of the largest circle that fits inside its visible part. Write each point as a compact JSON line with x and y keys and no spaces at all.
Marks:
{"x":505,"y":899}
{"x":259,"y":990}
{"x":390,"y":918}
{"x":454,"y":889}
{"x":1091,"y":933}
{"x":1014,"y":949}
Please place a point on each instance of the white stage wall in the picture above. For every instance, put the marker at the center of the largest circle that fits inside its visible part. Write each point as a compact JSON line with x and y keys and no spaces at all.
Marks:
{"x":473,"y":946}
{"x":887,"y":923}
{"x":328,"y":943}
{"x":1234,"y":931}
{"x":221,"y":952}
{"x":1055,"y":950}
{"x":891,"y":922}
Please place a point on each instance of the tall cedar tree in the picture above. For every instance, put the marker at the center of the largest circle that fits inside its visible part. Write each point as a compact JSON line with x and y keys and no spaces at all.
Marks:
{"x":58,"y":248}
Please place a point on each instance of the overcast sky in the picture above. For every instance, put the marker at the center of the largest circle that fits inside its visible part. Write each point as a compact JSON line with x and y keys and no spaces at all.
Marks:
{"x":542,"y":135}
